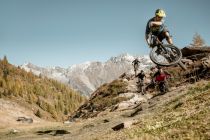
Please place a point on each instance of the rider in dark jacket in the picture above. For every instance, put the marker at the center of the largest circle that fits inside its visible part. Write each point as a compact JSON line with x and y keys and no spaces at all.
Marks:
{"x":135,"y":64}
{"x":136,"y":61}
{"x":155,"y":26}
{"x":141,"y":75}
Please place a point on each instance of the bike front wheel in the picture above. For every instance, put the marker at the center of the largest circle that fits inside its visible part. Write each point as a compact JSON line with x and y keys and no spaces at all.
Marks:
{"x":165,"y":55}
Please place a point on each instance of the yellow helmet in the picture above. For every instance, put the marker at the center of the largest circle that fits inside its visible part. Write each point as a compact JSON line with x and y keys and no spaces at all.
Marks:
{"x":160,"y":13}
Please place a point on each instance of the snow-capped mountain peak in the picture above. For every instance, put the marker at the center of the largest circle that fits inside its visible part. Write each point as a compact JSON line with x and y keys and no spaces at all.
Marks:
{"x":122,"y":57}
{"x":82,"y":66}
{"x":88,"y":76}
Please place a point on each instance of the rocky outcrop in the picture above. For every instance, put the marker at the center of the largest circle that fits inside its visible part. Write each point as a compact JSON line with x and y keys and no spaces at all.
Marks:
{"x":126,"y":124}
{"x":198,"y":51}
{"x":25,"y":120}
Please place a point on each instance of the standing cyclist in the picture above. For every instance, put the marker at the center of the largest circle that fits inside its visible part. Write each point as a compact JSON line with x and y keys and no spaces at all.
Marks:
{"x":155,"y":26}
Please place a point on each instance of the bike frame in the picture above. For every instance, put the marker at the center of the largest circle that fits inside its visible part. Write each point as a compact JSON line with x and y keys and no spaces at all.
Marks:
{"x":162,"y":49}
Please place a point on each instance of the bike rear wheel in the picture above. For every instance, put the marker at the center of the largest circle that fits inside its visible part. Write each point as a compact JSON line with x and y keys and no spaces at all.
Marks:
{"x":165,"y":55}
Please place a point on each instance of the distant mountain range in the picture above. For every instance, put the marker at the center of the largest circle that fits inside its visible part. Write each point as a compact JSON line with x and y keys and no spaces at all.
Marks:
{"x":88,"y":76}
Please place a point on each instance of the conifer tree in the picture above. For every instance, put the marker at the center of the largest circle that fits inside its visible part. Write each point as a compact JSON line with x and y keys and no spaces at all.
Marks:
{"x":197,"y":41}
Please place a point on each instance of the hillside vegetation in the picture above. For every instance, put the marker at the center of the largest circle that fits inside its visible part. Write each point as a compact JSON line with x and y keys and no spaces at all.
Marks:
{"x":184,"y":117}
{"x":104,"y":97}
{"x":48,"y":98}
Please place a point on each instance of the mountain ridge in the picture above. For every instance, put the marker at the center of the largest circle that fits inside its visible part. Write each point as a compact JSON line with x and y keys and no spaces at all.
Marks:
{"x":88,"y":76}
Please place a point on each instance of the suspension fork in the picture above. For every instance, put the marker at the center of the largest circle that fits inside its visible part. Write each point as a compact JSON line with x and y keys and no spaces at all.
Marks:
{"x":160,"y":45}
{"x":166,"y":53}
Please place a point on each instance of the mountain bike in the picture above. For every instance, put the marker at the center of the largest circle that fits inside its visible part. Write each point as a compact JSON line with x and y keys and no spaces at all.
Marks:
{"x":165,"y":54}
{"x":136,"y":66}
{"x":162,"y":87}
{"x":140,"y":86}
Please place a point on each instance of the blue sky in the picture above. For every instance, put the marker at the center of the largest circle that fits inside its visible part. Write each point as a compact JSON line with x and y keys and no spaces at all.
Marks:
{"x":67,"y":32}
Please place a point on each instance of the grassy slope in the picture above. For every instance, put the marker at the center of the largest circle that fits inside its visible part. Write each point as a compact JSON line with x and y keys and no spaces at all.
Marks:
{"x":104,"y":97}
{"x":185,"y":117}
{"x":108,"y":95}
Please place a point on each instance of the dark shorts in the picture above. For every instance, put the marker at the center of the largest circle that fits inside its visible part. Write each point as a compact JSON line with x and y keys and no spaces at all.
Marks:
{"x":162,"y":35}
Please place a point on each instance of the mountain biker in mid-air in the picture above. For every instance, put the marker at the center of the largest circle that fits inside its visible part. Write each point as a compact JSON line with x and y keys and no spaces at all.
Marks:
{"x":162,"y":54}
{"x":135,"y":64}
{"x":155,"y":26}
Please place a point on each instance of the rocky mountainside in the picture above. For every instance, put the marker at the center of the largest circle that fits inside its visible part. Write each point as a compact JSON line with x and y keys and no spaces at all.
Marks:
{"x":111,"y":95}
{"x":87,"y":77}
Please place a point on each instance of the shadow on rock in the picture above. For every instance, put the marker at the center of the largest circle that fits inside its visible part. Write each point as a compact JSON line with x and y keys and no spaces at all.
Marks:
{"x":53,"y":132}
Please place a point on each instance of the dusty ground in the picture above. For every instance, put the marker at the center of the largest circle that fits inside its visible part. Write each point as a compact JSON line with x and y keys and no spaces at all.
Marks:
{"x":10,"y":111}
